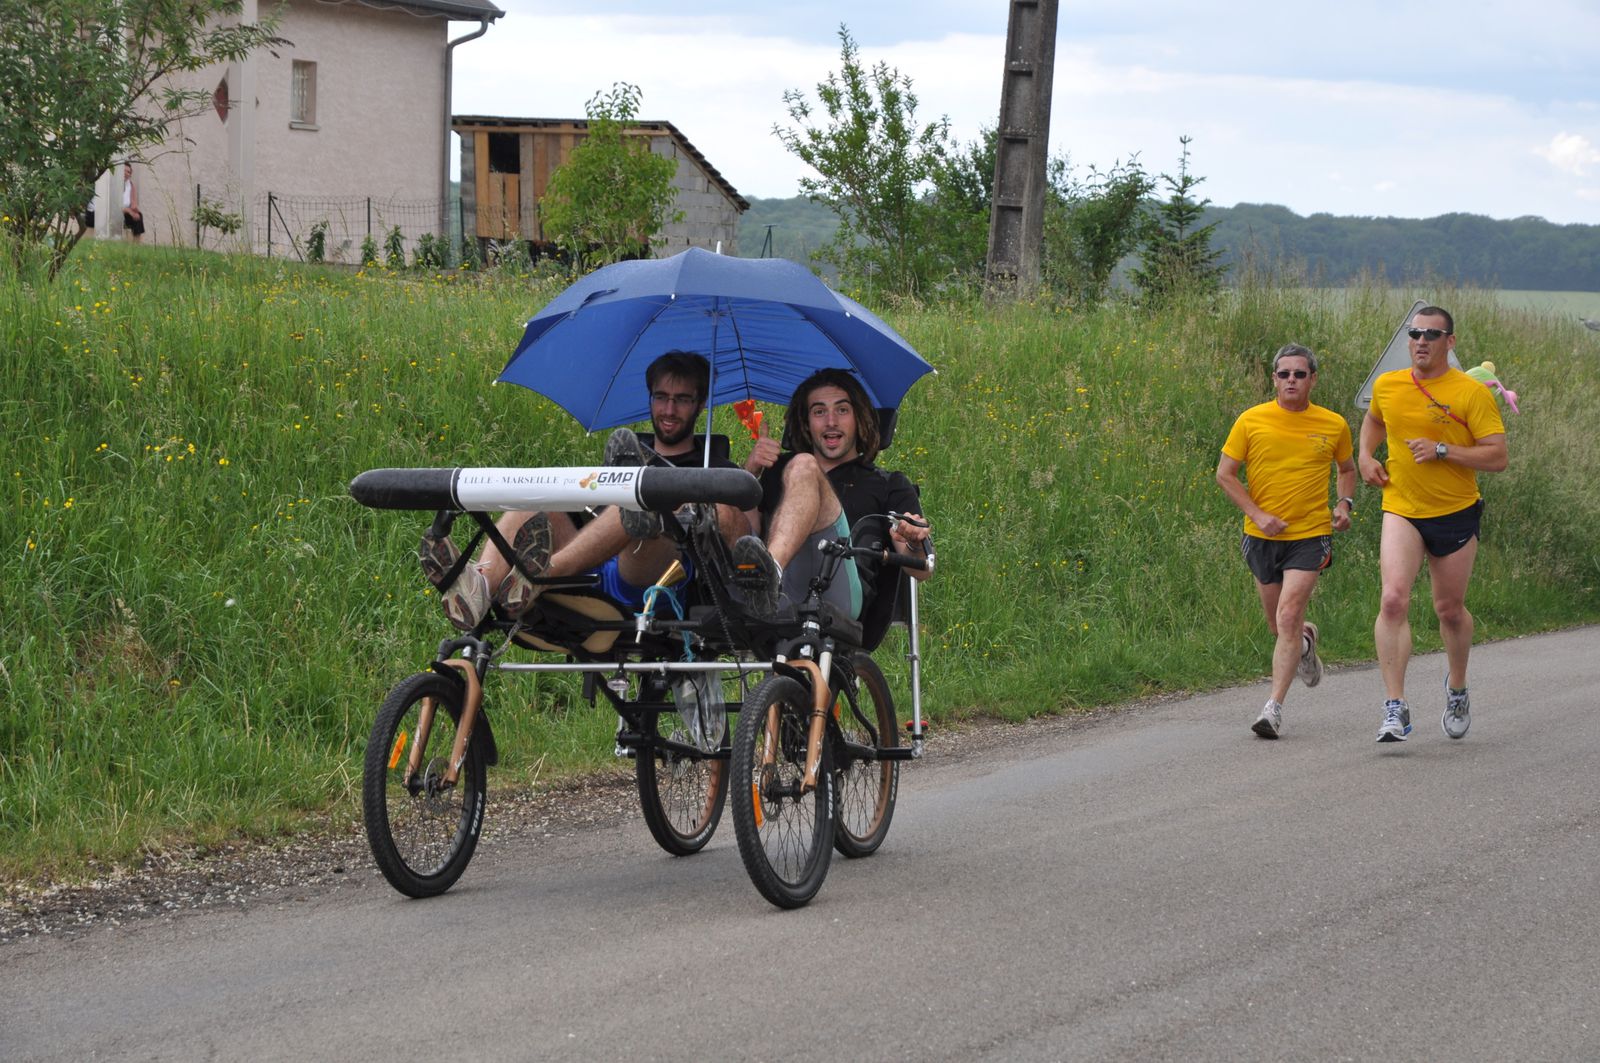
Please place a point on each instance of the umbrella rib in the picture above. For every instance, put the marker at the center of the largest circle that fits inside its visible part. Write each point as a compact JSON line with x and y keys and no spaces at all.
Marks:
{"x":634,"y":343}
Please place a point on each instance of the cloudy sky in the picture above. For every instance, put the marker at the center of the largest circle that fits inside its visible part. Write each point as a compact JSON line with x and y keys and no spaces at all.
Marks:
{"x":1409,"y":108}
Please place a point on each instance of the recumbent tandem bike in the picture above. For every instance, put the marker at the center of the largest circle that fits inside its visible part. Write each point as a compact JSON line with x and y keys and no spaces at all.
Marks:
{"x":814,"y":759}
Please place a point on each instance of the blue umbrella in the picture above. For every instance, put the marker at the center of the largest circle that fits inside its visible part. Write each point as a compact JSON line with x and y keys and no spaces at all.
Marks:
{"x":765,"y":323}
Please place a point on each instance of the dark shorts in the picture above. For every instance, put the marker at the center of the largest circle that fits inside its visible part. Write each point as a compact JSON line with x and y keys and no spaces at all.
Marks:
{"x":624,"y":593}
{"x":132,"y":224}
{"x":1268,"y":558}
{"x":1442,"y":536}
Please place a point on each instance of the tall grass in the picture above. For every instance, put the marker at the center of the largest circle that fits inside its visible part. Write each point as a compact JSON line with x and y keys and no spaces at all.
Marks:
{"x":199,"y":622}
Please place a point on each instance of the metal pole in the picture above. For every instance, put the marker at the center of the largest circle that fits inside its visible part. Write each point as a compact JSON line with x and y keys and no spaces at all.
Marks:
{"x":197,"y":214}
{"x":269,"y":224}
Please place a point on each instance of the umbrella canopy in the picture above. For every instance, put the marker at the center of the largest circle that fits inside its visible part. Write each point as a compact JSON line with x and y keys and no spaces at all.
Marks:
{"x":765,"y":323}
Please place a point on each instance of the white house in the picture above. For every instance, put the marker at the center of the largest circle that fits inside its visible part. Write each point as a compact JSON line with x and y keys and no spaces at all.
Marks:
{"x":347,"y":124}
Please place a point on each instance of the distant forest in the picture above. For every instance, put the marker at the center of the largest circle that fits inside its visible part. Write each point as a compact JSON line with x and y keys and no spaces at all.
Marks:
{"x":1523,"y":253}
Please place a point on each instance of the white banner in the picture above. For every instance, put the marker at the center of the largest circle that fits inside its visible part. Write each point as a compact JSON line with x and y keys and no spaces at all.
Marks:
{"x":558,"y":489}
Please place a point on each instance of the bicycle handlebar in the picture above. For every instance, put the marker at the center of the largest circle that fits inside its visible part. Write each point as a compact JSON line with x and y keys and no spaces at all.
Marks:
{"x":553,"y":489}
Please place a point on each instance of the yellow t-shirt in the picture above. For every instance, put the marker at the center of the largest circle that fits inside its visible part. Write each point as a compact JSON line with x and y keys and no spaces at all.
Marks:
{"x":1286,"y":455}
{"x":1434,"y":488}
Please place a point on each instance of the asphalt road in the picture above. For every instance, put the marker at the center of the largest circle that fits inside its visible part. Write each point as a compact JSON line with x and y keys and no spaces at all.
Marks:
{"x":1154,"y":885}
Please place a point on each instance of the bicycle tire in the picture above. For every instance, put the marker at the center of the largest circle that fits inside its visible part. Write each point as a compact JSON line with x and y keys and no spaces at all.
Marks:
{"x":785,"y":837}
{"x":866,"y":788}
{"x":682,"y":797}
{"x":422,"y":833}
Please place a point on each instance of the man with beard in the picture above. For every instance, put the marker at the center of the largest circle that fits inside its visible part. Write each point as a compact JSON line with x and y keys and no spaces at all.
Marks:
{"x":1442,"y":428}
{"x":625,"y":549}
{"x":822,"y":490}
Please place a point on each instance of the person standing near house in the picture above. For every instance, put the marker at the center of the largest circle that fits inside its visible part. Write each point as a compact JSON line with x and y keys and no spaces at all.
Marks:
{"x":132,"y":216}
{"x":1287,"y":445}
{"x":1442,"y":428}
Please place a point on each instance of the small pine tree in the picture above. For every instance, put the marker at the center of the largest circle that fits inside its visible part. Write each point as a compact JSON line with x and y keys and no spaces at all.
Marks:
{"x":1178,"y":257}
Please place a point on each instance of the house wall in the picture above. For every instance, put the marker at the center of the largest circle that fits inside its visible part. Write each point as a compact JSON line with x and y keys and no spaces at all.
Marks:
{"x":709,"y":216}
{"x":380,"y":133}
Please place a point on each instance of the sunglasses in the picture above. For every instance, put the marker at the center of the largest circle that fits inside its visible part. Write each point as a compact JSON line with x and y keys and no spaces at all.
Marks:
{"x":1298,"y":374}
{"x":1430,"y":333}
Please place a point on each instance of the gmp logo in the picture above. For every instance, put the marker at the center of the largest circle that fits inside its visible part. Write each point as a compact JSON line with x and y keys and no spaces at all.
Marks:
{"x":613,"y":477}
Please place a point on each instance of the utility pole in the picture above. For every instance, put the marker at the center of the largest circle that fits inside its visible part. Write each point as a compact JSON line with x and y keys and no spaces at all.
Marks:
{"x":1022,"y":148}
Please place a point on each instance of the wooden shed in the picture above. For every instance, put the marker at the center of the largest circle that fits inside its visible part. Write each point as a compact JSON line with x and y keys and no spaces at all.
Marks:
{"x":506,"y":164}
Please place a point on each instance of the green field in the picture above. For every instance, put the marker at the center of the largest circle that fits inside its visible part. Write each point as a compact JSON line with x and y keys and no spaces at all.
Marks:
{"x":199,"y":622}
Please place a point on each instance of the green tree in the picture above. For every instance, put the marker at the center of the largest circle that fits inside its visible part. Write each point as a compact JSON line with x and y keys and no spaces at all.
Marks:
{"x":83,"y":82}
{"x":1178,"y":256}
{"x":1091,"y":225}
{"x":613,"y":194}
{"x":963,"y":179}
{"x":874,"y":167}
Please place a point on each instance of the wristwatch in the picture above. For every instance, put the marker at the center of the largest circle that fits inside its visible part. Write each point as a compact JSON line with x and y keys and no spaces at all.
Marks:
{"x":1347,"y":500}
{"x":1440,"y":451}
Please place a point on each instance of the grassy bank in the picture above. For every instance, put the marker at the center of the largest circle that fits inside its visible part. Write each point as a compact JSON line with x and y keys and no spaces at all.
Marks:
{"x":199,"y":623}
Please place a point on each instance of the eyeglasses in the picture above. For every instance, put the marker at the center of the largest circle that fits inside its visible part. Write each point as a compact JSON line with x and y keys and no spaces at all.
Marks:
{"x":1430,"y":333}
{"x":1298,"y":374}
{"x":682,"y":402}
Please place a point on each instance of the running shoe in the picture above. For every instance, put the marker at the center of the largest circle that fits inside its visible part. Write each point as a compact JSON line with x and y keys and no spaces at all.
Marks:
{"x":759,"y":575}
{"x":531,"y":547}
{"x":1396,"y":721}
{"x":1270,"y":722}
{"x":1310,"y":670}
{"x":625,"y":451}
{"x":1457,"y":710}
{"x":466,"y":598}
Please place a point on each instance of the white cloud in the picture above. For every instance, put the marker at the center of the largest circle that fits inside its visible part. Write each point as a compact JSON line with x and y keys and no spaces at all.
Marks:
{"x":1570,"y":152}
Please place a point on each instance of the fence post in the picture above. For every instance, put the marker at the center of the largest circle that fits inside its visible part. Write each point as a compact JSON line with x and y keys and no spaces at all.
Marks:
{"x":269,"y":224}
{"x":369,"y":215}
{"x":197,"y":215}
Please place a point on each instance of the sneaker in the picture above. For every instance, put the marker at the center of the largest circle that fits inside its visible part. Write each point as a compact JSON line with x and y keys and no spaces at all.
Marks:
{"x":1310,"y":670}
{"x":466,"y":599}
{"x":531,"y":547}
{"x":1270,"y":722}
{"x":1457,"y":710}
{"x":758,"y":574}
{"x":1396,"y":721}
{"x":624,"y":451}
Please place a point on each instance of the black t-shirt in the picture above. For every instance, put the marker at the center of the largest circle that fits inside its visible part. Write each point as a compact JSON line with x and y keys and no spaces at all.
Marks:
{"x":863,"y":490}
{"x":695,"y":456}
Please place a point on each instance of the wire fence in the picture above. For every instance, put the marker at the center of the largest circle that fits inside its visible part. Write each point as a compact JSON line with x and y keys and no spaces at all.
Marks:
{"x":334,"y":228}
{"x":337,"y":228}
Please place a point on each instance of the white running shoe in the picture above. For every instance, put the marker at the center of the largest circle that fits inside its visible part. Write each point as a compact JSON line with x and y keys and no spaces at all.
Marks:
{"x":1270,"y":722}
{"x":1457,"y":711}
{"x":1310,"y":670}
{"x":1396,"y":721}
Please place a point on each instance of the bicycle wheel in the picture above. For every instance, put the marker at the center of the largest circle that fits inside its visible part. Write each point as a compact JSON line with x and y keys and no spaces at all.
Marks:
{"x":682,"y":796}
{"x":422,"y":831}
{"x":866,"y":787}
{"x":785,"y":836}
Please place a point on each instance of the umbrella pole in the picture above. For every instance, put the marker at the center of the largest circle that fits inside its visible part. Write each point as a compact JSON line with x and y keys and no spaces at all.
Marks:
{"x":711,"y":384}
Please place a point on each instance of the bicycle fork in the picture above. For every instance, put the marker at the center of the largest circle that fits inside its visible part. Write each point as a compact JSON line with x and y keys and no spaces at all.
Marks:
{"x":469,"y":716}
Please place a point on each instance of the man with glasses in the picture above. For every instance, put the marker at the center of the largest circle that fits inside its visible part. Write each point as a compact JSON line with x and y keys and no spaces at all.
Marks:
{"x":625,"y":549}
{"x":1287,"y":445}
{"x":1442,"y":428}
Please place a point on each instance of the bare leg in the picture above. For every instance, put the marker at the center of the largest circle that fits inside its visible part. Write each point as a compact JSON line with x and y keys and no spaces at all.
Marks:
{"x":1400,"y":554}
{"x":1288,"y":624}
{"x":495,"y":566}
{"x":809,"y":505}
{"x":1450,"y":575}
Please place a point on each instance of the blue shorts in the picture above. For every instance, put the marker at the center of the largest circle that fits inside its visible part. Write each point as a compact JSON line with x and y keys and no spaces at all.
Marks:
{"x":622,"y":592}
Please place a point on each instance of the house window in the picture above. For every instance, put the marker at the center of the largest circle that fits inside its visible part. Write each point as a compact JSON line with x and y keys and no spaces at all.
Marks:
{"x":303,"y":96}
